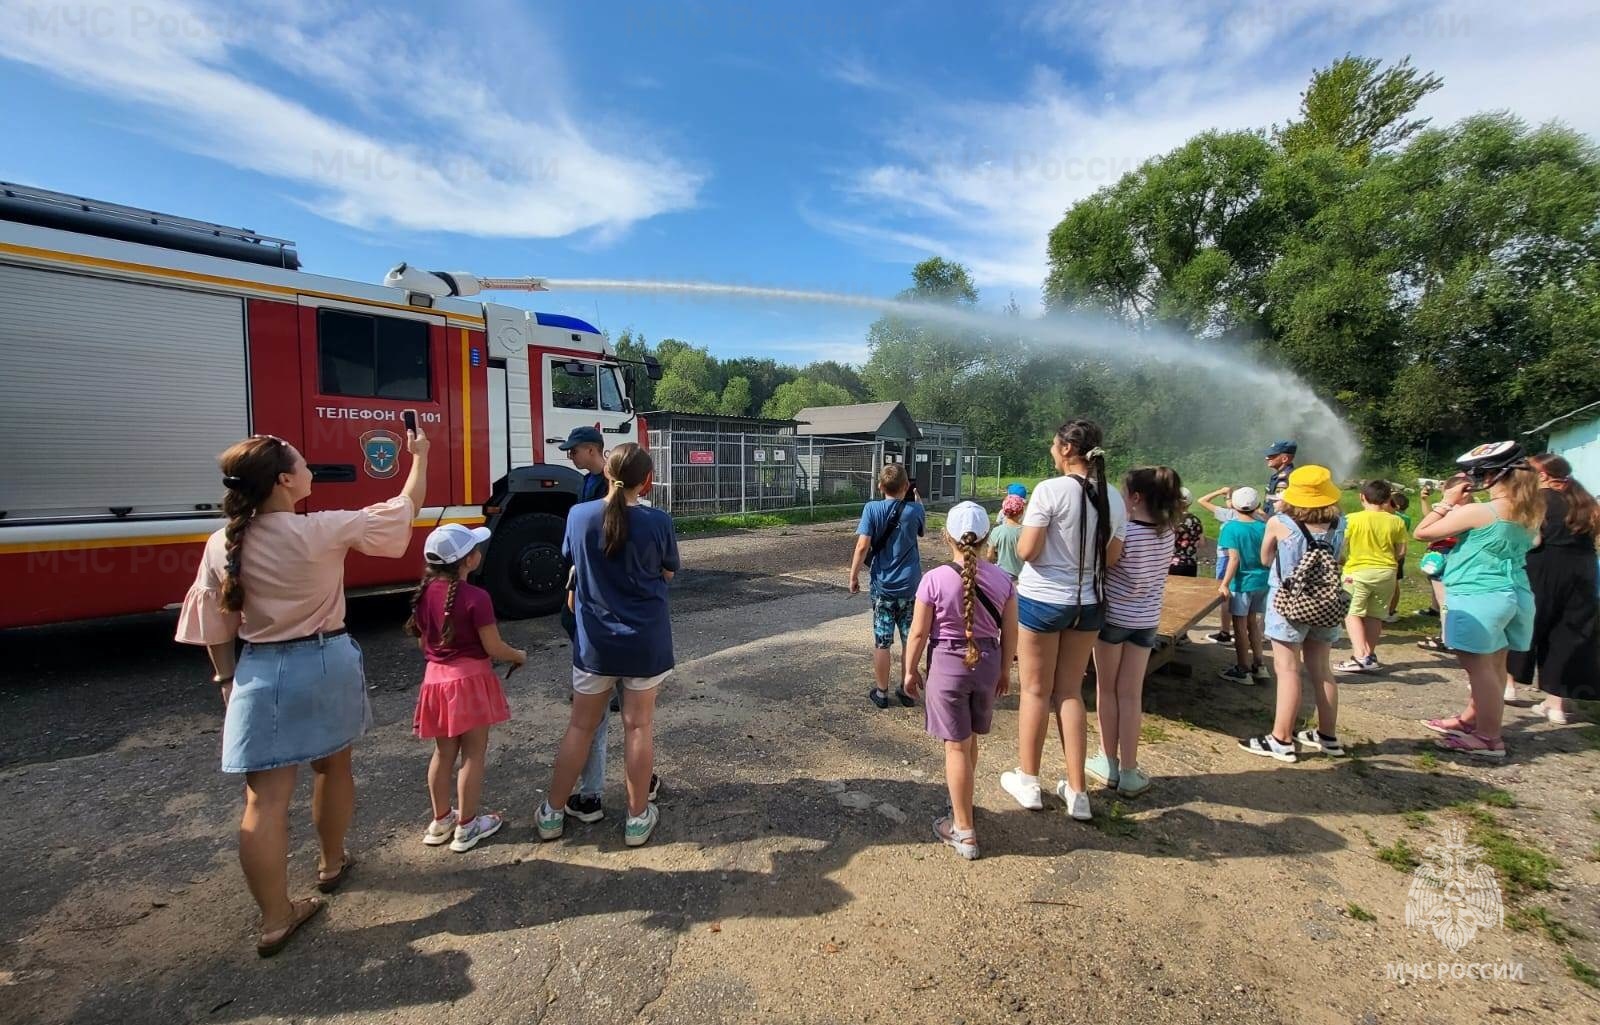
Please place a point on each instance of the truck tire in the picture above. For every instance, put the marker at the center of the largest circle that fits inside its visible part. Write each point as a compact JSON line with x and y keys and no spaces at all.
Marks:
{"x":524,"y":572}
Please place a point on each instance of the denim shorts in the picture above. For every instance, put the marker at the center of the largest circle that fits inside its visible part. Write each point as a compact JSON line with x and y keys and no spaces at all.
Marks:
{"x":1247,"y":603}
{"x":1044,"y":618}
{"x":1284,"y":632}
{"x":1143,"y":637}
{"x":888,"y":616}
{"x":294,"y":702}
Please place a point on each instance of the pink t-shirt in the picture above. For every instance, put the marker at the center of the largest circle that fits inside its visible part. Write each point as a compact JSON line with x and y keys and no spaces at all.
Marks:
{"x":292,"y":568}
{"x":472,"y":609}
{"x":942,"y":589}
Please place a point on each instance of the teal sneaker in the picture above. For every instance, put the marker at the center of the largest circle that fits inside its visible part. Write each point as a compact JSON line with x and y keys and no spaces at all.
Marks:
{"x":551,"y":822}
{"x":1133,"y":783}
{"x":1102,"y":768}
{"x":639,"y":828}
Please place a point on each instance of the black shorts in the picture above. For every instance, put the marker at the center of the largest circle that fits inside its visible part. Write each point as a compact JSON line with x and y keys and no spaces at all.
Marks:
{"x":1190,"y":570}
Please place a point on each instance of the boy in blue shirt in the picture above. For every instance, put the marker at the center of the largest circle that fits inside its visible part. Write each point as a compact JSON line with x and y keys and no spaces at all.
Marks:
{"x":1244,"y":584}
{"x":887,"y":538}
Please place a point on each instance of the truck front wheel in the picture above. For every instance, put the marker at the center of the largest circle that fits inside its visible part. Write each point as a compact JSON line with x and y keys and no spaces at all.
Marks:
{"x":524,"y":569}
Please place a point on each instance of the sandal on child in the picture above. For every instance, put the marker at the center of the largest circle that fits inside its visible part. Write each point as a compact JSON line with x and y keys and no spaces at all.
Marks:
{"x":327,"y":883}
{"x":1449,"y":725}
{"x":1473,"y":745}
{"x":1432,"y":644}
{"x":965,"y":841}
{"x":272,"y":942}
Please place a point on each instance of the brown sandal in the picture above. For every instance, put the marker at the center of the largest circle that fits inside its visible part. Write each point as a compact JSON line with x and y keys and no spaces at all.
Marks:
{"x":327,"y":883}
{"x":304,"y":911}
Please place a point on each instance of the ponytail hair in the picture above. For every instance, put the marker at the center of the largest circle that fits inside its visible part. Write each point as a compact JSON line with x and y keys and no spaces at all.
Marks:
{"x":969,"y":545}
{"x":626,"y":469}
{"x":1084,"y":437}
{"x":1161,"y":491}
{"x":1583,"y":512}
{"x":250,"y":472}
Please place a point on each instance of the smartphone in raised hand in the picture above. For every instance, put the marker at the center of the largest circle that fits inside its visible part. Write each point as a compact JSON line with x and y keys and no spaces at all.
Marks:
{"x":409,"y":418}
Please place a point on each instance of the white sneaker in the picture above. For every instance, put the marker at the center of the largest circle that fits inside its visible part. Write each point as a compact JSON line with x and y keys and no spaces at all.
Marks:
{"x":1024,"y":788}
{"x":1077,"y":804}
{"x":1555,"y":716}
{"x":441,"y":830}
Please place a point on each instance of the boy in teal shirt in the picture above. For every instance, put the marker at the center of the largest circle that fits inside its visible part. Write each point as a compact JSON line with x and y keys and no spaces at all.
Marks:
{"x":1244,"y":585}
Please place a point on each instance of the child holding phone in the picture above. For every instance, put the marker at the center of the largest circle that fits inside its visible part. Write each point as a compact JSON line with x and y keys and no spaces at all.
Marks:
{"x":453,"y":622}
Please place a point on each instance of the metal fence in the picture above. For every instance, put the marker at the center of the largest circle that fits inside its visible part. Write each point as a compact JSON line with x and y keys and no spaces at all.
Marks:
{"x":705,"y":473}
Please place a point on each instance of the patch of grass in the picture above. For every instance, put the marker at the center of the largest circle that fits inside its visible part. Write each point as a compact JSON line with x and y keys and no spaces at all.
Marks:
{"x":1477,"y":816}
{"x":1153,"y":731}
{"x":1399,"y":855}
{"x":1427,"y":761}
{"x":776,"y":518}
{"x":1416,"y":820}
{"x":1589,"y":736}
{"x":1358,"y":767}
{"x":1497,"y":798}
{"x":1115,"y":822}
{"x":1582,"y":972}
{"x":1522,"y":867}
{"x":1360,"y":913}
{"x":1367,"y":833}
{"x":1536,"y":918}
{"x":1594,"y":855}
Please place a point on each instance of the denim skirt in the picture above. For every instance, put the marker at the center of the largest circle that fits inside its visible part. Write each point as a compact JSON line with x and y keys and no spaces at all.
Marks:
{"x":294,"y":702}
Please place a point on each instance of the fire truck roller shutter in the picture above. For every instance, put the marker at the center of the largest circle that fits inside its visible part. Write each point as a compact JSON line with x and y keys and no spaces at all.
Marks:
{"x":115,"y":395}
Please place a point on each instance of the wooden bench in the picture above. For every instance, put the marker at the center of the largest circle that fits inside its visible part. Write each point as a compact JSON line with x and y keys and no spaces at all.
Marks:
{"x":1188,"y":601}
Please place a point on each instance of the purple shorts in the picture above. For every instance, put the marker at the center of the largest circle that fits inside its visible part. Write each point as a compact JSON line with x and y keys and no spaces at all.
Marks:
{"x":960,"y":701}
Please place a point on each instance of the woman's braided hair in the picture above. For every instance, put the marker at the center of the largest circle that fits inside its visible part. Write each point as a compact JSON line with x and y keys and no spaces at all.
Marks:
{"x":250,"y":470}
{"x":969,"y":544}
{"x":446,"y":571}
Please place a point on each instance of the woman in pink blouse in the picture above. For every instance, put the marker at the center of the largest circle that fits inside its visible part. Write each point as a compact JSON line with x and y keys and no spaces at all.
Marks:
{"x":275,"y":579}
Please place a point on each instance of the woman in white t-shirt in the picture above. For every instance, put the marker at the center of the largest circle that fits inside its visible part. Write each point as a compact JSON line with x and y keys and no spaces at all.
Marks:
{"x":1071,"y":534}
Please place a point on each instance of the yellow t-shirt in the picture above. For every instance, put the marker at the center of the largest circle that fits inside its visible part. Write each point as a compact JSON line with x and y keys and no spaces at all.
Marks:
{"x":1370,"y":538}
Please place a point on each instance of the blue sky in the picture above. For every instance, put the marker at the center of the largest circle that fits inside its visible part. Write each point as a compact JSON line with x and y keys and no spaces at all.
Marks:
{"x":824,"y":146}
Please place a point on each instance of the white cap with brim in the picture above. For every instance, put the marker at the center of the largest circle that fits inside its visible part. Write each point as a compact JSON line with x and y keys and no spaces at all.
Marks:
{"x":1244,"y":499}
{"x":452,"y":543}
{"x":967,"y":518}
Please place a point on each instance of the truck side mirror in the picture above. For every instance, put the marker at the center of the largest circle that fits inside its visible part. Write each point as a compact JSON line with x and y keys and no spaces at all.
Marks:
{"x":652,"y":368}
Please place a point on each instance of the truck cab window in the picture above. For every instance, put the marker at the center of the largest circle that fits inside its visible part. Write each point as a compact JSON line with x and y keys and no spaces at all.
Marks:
{"x":371,"y":357}
{"x":610,"y":393}
{"x":573,"y":391}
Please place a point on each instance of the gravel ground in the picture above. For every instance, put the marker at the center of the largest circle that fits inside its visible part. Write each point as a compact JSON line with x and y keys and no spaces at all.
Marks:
{"x":792,"y":878}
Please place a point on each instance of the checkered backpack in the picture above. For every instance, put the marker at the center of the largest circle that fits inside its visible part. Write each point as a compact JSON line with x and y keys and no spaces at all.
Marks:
{"x":1312,"y":595}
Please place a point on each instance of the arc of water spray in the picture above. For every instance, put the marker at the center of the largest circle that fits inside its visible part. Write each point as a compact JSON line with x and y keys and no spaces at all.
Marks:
{"x":1288,"y":399}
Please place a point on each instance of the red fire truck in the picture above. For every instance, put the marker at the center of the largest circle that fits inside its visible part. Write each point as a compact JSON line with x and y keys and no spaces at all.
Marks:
{"x":135,"y":346}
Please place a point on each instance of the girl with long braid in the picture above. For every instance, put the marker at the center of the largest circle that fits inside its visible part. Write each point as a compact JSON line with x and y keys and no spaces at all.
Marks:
{"x":1071,"y":535}
{"x":970,"y":609}
{"x":623,"y":555}
{"x":275,"y":579}
{"x":453,"y":622}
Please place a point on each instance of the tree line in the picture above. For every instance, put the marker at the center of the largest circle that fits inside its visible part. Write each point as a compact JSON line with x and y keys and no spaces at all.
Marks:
{"x":1437,"y":285}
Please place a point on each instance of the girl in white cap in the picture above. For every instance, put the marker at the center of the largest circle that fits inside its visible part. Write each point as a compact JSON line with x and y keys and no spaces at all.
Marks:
{"x":453,"y":622}
{"x":970,"y":608}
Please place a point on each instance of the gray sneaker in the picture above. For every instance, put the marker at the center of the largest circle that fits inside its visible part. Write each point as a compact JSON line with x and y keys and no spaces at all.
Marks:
{"x":469,"y":833}
{"x":639,"y":828}
{"x":963,"y":841}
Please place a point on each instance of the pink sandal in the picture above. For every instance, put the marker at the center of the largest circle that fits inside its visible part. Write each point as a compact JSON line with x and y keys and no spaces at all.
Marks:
{"x":1451,"y":725}
{"x":1472,"y":744}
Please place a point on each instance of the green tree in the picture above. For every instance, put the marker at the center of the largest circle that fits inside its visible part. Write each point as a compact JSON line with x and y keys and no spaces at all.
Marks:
{"x":735,"y":397}
{"x":1358,"y":107}
{"x":802,"y":393}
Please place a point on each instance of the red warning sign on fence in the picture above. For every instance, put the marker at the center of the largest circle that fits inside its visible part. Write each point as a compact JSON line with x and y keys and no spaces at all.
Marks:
{"x":702,"y":457}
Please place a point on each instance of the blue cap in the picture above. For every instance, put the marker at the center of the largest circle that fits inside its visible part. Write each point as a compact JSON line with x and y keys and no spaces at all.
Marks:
{"x":1282,"y":448}
{"x":583,"y":436}
{"x":1018,"y":490}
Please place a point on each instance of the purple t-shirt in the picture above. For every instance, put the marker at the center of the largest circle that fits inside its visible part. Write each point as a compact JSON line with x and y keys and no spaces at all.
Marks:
{"x":942,"y":589}
{"x":472,"y":609}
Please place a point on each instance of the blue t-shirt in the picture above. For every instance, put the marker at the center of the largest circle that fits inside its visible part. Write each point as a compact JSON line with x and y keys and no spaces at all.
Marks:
{"x":1245,"y":536}
{"x":897,"y":570}
{"x":623,"y":627}
{"x":593,"y":487}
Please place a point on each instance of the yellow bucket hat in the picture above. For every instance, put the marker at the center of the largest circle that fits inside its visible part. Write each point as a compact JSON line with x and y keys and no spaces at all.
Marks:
{"x":1311,"y":487}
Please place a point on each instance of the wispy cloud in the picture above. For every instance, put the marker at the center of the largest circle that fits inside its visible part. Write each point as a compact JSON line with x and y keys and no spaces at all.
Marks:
{"x":275,"y":89}
{"x":984,"y":182}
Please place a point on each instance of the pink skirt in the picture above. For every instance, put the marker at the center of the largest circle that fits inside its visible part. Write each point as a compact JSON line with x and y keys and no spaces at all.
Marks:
{"x":456,"y":699}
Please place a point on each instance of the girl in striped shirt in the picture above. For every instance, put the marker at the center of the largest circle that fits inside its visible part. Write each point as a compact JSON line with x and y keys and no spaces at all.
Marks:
{"x":1135,"y":586}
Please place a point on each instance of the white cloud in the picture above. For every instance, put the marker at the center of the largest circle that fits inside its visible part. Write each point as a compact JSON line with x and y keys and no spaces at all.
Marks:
{"x":985,"y":182}
{"x":454,"y":138}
